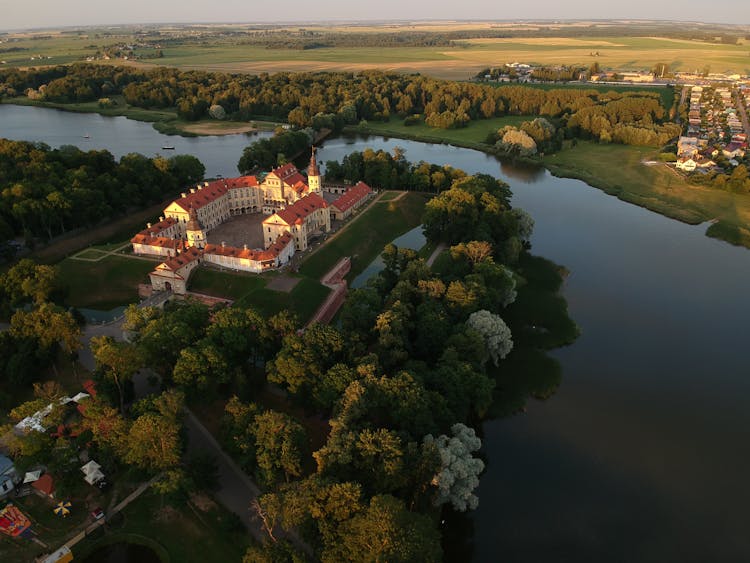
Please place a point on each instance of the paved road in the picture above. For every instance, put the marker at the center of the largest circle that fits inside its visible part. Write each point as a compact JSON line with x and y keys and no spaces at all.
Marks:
{"x":237,"y":489}
{"x":740,"y":103}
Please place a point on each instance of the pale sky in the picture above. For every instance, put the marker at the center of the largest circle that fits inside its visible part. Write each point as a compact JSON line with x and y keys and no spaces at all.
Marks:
{"x":58,"y":13}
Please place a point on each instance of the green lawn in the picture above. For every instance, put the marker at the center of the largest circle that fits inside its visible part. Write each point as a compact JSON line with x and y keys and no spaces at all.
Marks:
{"x":476,"y":131}
{"x":366,"y":237}
{"x":187,"y":535}
{"x":303,"y":300}
{"x":618,"y":170}
{"x":106,"y":284}
{"x":249,"y":290}
{"x":230,"y":285}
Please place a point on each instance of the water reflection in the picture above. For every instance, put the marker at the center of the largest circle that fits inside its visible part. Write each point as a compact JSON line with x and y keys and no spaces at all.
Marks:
{"x":640,"y":455}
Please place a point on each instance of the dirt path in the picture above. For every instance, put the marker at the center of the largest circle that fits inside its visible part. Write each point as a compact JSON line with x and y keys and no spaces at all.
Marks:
{"x":435,"y":253}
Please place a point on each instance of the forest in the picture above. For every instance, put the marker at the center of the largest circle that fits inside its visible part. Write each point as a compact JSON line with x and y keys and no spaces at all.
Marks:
{"x":334,"y":100}
{"x":47,"y":192}
{"x":402,"y":382}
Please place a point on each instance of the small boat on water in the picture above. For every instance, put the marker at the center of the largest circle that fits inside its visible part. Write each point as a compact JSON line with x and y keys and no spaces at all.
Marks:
{"x":168,"y":148}
{"x":87,"y":136}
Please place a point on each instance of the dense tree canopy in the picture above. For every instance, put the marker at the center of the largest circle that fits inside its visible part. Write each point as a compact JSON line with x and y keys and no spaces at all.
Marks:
{"x":45,"y":192}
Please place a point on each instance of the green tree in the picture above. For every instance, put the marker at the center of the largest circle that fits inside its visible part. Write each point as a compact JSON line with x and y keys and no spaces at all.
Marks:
{"x":386,"y":531}
{"x":280,"y":446}
{"x":118,"y":361}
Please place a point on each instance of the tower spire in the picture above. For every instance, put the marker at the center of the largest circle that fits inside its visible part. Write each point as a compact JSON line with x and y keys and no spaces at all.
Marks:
{"x":313,"y":174}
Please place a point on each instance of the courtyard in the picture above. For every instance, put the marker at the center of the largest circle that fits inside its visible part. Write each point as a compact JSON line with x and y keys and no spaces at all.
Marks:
{"x":239,"y":230}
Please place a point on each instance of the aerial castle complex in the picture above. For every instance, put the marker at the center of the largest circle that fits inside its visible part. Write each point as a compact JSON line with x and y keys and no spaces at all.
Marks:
{"x":295,"y":206}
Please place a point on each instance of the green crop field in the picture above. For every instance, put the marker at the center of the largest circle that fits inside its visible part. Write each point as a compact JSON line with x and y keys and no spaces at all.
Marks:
{"x":459,"y":61}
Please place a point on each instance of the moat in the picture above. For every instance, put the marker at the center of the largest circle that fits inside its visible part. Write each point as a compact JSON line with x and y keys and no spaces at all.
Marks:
{"x":639,"y":455}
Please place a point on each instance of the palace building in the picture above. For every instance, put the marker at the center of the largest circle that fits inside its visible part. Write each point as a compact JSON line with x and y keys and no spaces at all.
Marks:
{"x":297,"y":212}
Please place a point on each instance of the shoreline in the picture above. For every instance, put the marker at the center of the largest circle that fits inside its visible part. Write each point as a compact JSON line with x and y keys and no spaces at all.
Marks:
{"x":166,"y":122}
{"x":730,"y":234}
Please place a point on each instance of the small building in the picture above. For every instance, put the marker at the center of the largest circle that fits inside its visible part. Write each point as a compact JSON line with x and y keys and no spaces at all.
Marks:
{"x":44,"y":486}
{"x":734,"y":150}
{"x":173,"y":274}
{"x":686,"y":164}
{"x":354,"y":197}
{"x":9,"y":478}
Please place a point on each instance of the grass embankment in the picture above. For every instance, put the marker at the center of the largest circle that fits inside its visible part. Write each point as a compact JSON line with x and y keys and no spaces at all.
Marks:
{"x":365,"y":238}
{"x":183,"y":532}
{"x":539,"y":321}
{"x":471,"y":136}
{"x":105,"y":284}
{"x":249,"y":290}
{"x":618,"y":170}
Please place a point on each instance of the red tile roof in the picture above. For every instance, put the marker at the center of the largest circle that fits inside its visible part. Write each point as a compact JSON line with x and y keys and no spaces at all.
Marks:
{"x":190,"y":255}
{"x":158,"y":227}
{"x":352,"y":196}
{"x":45,"y":484}
{"x":296,"y":213}
{"x":257,"y":255}
{"x":214,"y":190}
{"x":161,"y":242}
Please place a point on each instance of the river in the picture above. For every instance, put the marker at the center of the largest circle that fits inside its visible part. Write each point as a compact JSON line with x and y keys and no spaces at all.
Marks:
{"x":640,"y":456}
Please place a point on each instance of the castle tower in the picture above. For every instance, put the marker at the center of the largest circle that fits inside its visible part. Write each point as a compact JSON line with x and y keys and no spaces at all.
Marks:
{"x":313,"y":174}
{"x":193,"y":230}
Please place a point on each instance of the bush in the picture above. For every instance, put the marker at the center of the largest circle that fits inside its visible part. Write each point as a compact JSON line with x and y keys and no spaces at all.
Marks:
{"x":412,"y":120}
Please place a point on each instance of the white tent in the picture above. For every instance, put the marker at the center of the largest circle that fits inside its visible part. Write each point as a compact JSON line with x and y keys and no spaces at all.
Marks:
{"x":32,"y":476}
{"x":92,"y":472}
{"x":90,"y":467}
{"x":94,"y":477}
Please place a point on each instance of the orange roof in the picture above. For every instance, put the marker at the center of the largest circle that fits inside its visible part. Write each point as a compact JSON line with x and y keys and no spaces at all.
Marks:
{"x":290,"y":175}
{"x":45,"y":484}
{"x":158,"y":227}
{"x":257,"y":255}
{"x":90,"y":387}
{"x":182,"y":259}
{"x":214,"y":190}
{"x":161,"y":242}
{"x":352,"y":196}
{"x":296,"y":213}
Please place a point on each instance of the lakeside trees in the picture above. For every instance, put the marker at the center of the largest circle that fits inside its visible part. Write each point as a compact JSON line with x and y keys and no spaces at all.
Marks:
{"x":45,"y":192}
{"x":331,"y":100}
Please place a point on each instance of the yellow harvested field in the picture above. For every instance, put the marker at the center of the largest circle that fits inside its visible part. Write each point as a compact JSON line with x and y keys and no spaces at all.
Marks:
{"x":217,"y":128}
{"x":555,"y":41}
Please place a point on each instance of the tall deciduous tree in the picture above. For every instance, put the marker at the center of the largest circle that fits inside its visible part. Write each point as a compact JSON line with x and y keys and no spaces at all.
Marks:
{"x":119,"y":362}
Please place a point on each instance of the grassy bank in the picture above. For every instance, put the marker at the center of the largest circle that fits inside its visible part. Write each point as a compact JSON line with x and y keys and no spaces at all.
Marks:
{"x":249,"y":290}
{"x":470,"y":136}
{"x":619,"y":171}
{"x":365,"y":238}
{"x":105,"y":284}
{"x":165,"y":121}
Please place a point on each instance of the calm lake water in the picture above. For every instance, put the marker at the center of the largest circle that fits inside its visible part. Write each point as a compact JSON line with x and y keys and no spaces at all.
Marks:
{"x":121,"y":136}
{"x":641,"y":455}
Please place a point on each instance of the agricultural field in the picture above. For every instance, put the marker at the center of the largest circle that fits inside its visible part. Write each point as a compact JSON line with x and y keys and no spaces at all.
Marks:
{"x":460,"y":60}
